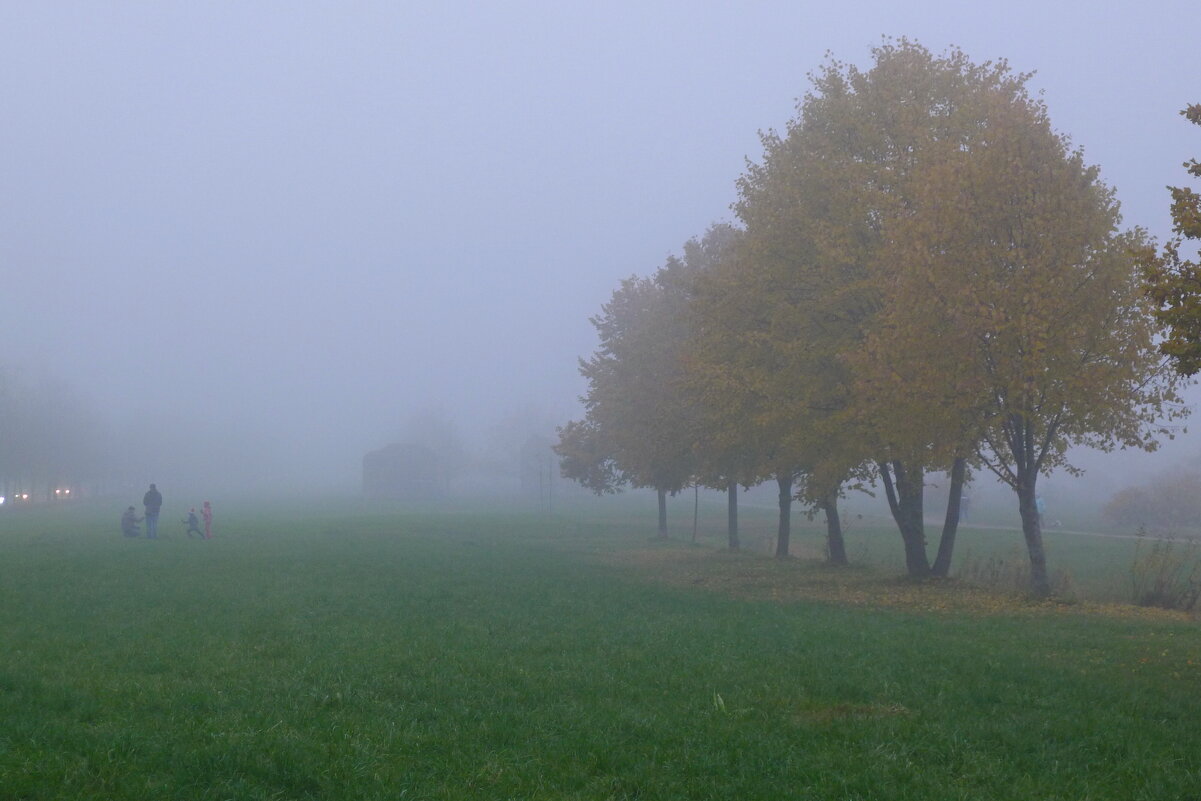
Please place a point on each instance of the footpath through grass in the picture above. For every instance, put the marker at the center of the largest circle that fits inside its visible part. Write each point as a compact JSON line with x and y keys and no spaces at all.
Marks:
{"x":373,"y":655}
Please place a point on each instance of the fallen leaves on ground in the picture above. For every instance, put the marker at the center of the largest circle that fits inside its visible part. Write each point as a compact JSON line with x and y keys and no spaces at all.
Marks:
{"x":808,"y":578}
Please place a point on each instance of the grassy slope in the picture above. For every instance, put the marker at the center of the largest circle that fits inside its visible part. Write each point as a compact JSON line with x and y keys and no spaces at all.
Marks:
{"x":502,"y":656}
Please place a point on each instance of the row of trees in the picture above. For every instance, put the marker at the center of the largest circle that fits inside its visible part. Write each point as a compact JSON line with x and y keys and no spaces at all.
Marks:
{"x":49,"y":437}
{"x":925,"y":277}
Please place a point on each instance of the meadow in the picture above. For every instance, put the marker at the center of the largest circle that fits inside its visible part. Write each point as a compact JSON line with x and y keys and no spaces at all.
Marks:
{"x":354,"y":651}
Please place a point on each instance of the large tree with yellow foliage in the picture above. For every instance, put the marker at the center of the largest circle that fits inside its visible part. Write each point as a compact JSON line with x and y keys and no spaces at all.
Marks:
{"x":1013,"y":319}
{"x":816,"y":210}
{"x":945,"y":281}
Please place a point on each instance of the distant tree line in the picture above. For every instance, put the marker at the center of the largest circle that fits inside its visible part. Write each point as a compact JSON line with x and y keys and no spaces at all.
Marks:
{"x":1168,"y":503}
{"x":49,"y":438}
{"x":923,"y":276}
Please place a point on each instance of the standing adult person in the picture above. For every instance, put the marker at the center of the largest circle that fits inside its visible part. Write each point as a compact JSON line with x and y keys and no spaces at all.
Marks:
{"x":206,"y":513}
{"x":153,"y":501}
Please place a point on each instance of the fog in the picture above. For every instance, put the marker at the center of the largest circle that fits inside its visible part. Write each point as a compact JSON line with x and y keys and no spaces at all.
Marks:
{"x":262,"y":239}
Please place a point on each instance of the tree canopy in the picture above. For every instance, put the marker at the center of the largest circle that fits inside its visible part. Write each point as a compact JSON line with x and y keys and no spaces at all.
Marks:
{"x":1173,"y":281}
{"x":638,"y":425}
{"x":928,"y":277}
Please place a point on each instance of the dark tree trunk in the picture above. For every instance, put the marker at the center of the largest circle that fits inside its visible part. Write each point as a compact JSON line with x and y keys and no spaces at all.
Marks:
{"x":696,"y":508}
{"x":834,"y":541}
{"x":946,"y":545}
{"x":663,"y":513}
{"x":784,"y":531}
{"x":1032,"y":530}
{"x":732,"y":514}
{"x":905,"y":501}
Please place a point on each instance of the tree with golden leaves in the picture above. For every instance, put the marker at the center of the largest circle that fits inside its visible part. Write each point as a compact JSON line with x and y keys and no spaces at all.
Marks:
{"x":723,"y":459}
{"x":946,"y":277}
{"x":737,"y":430}
{"x":1173,"y":282}
{"x":899,"y":124}
{"x":1014,"y":312}
{"x":764,"y":397}
{"x":817,"y":210}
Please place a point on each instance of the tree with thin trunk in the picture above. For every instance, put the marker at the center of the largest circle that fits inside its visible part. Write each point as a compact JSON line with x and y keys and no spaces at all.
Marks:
{"x":724,"y":456}
{"x":637,"y":423}
{"x":754,"y":413}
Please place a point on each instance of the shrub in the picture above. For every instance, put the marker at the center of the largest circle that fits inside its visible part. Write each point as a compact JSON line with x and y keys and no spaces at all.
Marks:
{"x":1171,"y":501}
{"x":1131,"y":507}
{"x":1166,"y":573}
{"x":1010,"y":574}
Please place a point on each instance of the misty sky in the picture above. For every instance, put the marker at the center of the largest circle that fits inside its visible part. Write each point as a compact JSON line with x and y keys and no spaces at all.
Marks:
{"x":299,"y":218}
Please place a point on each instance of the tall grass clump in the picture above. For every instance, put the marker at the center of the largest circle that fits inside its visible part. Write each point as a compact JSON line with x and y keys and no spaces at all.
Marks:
{"x":1166,"y":573}
{"x":1010,"y":573}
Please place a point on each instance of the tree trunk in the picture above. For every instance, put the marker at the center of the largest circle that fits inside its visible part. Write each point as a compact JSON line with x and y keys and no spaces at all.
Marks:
{"x":663,"y":513}
{"x":946,"y":545}
{"x":834,"y":541}
{"x":732,"y":514}
{"x":1032,"y":530}
{"x":784,"y":531}
{"x":905,"y":501}
{"x":696,"y":508}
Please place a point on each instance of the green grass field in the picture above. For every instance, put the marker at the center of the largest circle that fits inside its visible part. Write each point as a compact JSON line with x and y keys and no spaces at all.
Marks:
{"x":349,"y":652}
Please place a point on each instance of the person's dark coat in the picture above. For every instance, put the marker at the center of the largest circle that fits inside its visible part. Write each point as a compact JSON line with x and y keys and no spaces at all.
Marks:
{"x":152,"y":500}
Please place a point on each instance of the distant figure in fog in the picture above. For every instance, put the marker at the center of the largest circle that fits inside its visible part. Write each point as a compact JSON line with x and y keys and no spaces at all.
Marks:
{"x":193,"y":523}
{"x":207,"y":514}
{"x":1041,"y":508}
{"x":129,"y":523}
{"x":153,"y":501}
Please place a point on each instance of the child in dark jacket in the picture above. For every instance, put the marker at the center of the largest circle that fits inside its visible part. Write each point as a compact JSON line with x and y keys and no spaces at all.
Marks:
{"x":194,"y":524}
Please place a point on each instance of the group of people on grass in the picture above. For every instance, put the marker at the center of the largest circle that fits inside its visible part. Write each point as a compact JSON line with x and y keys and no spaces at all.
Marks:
{"x":152,"y":502}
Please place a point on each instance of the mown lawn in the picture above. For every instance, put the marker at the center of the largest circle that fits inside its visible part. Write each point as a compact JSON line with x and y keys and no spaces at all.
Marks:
{"x":351,"y":653}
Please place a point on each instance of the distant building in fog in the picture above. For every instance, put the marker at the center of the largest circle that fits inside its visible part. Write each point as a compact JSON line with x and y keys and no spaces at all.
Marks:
{"x":403,"y":470}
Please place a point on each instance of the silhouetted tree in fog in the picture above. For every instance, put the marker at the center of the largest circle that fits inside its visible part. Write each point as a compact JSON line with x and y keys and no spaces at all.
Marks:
{"x":638,"y":423}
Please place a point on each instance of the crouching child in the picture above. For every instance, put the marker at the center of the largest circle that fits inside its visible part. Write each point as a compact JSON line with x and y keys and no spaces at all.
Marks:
{"x":129,"y":523}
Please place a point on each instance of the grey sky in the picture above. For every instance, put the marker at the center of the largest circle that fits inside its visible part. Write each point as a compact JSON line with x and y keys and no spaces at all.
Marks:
{"x":317,"y":217}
